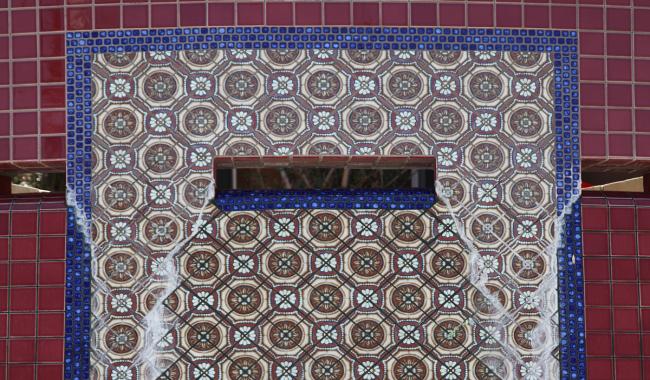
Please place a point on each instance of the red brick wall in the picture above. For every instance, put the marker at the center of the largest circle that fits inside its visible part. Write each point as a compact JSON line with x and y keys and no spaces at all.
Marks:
{"x":614,"y":48}
{"x":32,"y":281}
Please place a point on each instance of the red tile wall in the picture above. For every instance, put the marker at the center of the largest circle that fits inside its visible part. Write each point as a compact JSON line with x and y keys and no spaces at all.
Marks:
{"x":32,"y":281}
{"x":614,"y":48}
{"x":617,"y":286}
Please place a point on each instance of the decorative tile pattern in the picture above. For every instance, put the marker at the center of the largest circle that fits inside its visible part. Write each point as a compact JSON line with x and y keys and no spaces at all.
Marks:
{"x":482,"y":164}
{"x":160,"y":119}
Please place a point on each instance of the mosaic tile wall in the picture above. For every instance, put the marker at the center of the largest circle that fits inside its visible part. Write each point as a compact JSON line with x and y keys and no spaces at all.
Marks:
{"x":614,"y":51}
{"x":405,"y":301}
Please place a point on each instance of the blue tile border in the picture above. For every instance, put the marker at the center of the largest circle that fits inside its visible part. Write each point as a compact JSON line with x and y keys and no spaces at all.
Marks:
{"x":402,"y":199}
{"x":563,"y":44}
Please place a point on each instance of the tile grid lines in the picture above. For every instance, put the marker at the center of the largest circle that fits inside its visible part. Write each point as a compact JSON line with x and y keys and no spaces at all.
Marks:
{"x":606,"y":81}
{"x":611,"y":288}
{"x":606,"y":95}
{"x":265,"y":14}
{"x":38,"y":80}
{"x":640,"y":290}
{"x":609,"y":308}
{"x":617,"y":339}
{"x":638,"y":276}
{"x":37,"y":287}
{"x":632,"y":77}
{"x":380,"y":24}
{"x":380,"y":21}
{"x":37,"y":135}
{"x":38,"y":351}
{"x":351,"y":3}
{"x":607,"y":138}
{"x":9,"y":279}
{"x":11,"y":76}
{"x":81,"y":45}
{"x":28,"y":349}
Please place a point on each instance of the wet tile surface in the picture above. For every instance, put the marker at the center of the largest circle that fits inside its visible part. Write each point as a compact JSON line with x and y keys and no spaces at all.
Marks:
{"x":456,"y":291}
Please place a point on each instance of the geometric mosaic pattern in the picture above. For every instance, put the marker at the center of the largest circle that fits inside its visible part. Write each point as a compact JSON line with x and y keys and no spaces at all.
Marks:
{"x":465,"y":289}
{"x":316,"y":102}
{"x":377,"y":294}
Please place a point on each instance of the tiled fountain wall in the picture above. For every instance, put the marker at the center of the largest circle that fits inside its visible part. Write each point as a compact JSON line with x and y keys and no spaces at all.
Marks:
{"x":161,"y":118}
{"x":613,"y":55}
